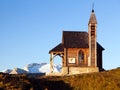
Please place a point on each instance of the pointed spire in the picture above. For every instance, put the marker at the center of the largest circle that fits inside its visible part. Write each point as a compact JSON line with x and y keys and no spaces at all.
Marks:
{"x":92,"y":19}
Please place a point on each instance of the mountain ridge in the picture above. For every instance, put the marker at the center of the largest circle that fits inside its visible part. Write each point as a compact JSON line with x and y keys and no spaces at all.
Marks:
{"x":33,"y":68}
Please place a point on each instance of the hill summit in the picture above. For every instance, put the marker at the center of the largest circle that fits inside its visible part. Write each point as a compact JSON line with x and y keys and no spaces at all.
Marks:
{"x":106,"y":80}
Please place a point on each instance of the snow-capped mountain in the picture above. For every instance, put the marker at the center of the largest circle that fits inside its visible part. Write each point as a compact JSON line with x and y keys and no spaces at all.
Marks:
{"x":34,"y":68}
{"x":18,"y":71}
{"x":7,"y":70}
{"x":41,"y":68}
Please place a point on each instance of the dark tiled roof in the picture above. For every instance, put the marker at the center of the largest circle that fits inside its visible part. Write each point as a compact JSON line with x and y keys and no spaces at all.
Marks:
{"x":99,"y":47}
{"x":75,"y":39}
{"x":58,"y":48}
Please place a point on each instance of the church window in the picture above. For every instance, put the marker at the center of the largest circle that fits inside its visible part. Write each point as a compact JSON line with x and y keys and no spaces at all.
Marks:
{"x":92,"y":33}
{"x":92,"y":27}
{"x":92,"y":30}
{"x":81,"y":56}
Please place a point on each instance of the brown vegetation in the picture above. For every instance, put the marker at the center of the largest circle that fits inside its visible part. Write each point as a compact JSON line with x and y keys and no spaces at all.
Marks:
{"x":107,"y":80}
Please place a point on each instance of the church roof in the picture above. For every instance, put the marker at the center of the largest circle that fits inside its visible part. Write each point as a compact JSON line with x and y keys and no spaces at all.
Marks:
{"x":58,"y":48}
{"x":92,"y":19}
{"x":99,"y":47}
{"x":73,"y":39}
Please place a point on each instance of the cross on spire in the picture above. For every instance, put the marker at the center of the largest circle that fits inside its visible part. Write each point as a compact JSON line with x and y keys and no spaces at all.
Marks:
{"x":93,"y":7}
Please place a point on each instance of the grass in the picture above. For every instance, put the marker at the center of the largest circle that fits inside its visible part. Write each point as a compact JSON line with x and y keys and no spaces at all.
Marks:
{"x":107,"y":80}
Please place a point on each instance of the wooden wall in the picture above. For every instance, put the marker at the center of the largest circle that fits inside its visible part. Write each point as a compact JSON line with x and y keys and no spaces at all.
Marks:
{"x":73,"y":53}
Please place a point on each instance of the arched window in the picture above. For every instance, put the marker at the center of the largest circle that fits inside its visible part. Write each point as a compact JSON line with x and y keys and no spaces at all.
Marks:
{"x":80,"y":56}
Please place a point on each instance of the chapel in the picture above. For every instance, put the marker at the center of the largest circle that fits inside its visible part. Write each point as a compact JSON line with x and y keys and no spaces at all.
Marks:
{"x":79,"y":50}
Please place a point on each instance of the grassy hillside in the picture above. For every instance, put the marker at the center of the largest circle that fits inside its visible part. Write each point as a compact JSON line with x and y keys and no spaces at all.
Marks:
{"x":107,"y":80}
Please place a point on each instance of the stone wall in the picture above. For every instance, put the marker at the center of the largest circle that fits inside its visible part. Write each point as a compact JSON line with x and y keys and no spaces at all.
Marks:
{"x":75,"y":70}
{"x":80,"y":70}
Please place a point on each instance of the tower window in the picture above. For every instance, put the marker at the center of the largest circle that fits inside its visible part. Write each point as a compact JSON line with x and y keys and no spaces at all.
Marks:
{"x":92,"y":33}
{"x":92,"y":27}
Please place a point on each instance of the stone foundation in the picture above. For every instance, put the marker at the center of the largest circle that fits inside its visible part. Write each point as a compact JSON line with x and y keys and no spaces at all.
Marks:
{"x":75,"y":70}
{"x":80,"y":70}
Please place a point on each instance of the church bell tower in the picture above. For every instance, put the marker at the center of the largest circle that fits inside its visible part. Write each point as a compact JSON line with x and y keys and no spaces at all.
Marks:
{"x":92,"y":25}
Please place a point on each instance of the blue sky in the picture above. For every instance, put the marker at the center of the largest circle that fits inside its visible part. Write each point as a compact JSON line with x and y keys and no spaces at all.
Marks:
{"x":30,"y":28}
